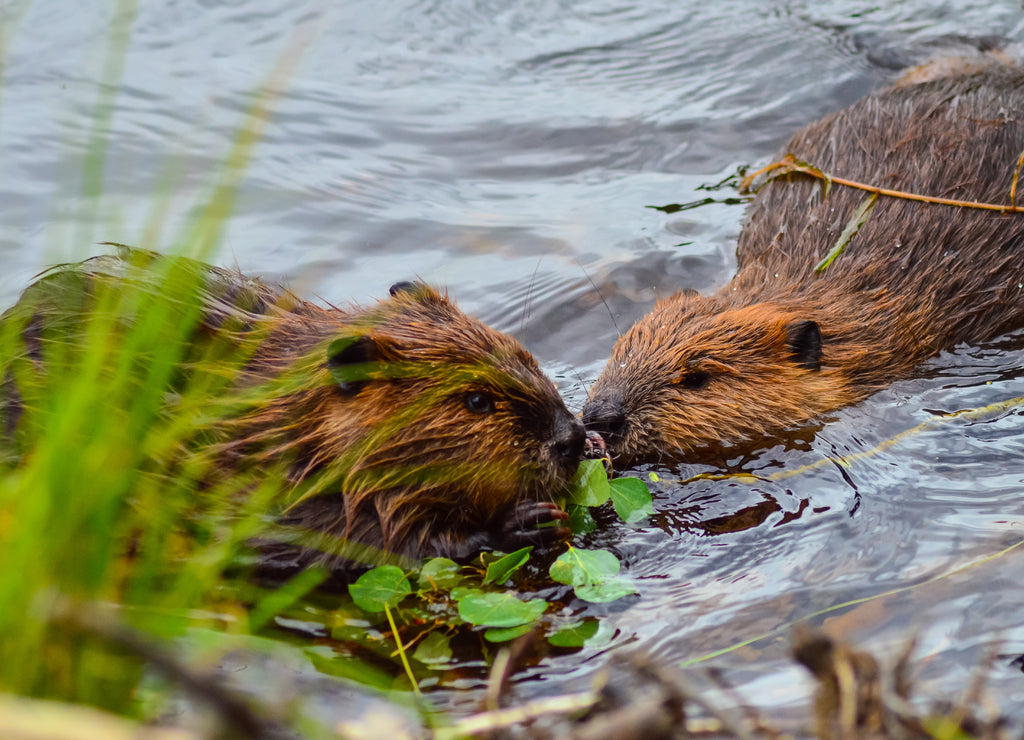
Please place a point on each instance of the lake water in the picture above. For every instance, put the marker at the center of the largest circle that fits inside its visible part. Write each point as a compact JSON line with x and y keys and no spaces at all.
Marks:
{"x":511,"y":152}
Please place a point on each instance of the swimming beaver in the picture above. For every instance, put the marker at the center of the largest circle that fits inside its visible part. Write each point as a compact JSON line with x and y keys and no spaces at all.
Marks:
{"x":780,"y":344}
{"x":405,"y":428}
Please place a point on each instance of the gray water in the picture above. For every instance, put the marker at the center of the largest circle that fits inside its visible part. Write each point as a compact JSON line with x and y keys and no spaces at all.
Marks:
{"x":510,"y":152}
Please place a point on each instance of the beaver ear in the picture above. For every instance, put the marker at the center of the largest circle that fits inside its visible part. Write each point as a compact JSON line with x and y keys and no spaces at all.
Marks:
{"x":420,"y":292}
{"x":350,"y":361}
{"x":803,"y":338}
{"x":403,"y":287}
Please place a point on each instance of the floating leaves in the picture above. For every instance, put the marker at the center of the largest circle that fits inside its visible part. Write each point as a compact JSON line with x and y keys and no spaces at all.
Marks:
{"x":630,"y":496}
{"x":486,"y":595}
{"x":440,"y":574}
{"x":593,"y":574}
{"x":631,"y":499}
{"x":575,"y":634}
{"x":433,"y":650}
{"x":380,"y":587}
{"x":494,"y":609}
{"x":502,"y":569}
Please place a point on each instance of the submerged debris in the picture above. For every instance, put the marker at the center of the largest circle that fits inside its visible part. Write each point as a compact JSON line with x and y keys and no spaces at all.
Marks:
{"x":856,"y":697}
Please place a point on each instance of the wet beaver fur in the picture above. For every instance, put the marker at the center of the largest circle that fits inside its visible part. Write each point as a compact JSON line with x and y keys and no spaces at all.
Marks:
{"x":405,"y":429}
{"x":702,"y":375}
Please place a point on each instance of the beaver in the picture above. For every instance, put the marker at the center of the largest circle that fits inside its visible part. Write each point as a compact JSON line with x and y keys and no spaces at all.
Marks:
{"x":405,"y":429}
{"x":703,"y":375}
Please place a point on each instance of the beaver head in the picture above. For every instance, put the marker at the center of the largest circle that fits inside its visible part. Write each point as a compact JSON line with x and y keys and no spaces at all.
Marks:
{"x":406,"y":421}
{"x":698,"y":372}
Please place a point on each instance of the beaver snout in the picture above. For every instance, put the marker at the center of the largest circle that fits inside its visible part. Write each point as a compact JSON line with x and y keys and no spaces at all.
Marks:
{"x":567,"y":440}
{"x":606,"y":413}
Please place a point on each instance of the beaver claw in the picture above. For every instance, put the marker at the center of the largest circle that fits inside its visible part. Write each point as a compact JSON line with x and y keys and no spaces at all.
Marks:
{"x":523,"y":527}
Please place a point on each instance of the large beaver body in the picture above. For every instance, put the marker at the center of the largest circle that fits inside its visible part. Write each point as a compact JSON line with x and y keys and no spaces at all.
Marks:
{"x":406,"y":428}
{"x":780,"y":344}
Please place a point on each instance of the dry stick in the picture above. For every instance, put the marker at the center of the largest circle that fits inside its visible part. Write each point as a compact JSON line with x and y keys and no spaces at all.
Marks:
{"x":899,"y":716}
{"x":1016,"y":176}
{"x":504,"y":718}
{"x":972,"y":696}
{"x":684,"y":688}
{"x":500,"y":673}
{"x":846,"y":681}
{"x":753,"y":717}
{"x":789,"y":164}
{"x":507,"y":662}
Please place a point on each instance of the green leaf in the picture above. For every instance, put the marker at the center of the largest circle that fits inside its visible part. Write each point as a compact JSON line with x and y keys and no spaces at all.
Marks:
{"x":498,"y":609}
{"x":439,"y":574}
{"x":434,"y":649}
{"x":610,"y":590}
{"x":581,"y":521}
{"x":859,"y":218}
{"x":592,"y":573}
{"x":590,"y":487}
{"x":375,"y":588}
{"x":500,"y":570}
{"x":574,"y":635}
{"x":577,"y":567}
{"x":631,"y":499}
{"x":505,"y":634}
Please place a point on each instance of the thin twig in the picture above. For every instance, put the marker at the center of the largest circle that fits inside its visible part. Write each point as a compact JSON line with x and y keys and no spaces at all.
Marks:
{"x":789,"y":164}
{"x":1016,"y":177}
{"x":502,"y":718}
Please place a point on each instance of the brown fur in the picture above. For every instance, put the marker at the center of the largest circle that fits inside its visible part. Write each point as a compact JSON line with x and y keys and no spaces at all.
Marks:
{"x":406,"y":428}
{"x":779,"y":344}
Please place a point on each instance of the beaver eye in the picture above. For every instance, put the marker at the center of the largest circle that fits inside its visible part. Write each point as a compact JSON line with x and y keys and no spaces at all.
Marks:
{"x":479,"y":402}
{"x":694,"y":380}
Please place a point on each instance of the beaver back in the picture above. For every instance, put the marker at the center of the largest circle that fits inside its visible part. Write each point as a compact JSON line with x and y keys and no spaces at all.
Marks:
{"x":780,"y":343}
{"x":956,"y":138}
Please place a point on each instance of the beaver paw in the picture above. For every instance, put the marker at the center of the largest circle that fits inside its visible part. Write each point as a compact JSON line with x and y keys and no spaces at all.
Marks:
{"x":524,"y":526}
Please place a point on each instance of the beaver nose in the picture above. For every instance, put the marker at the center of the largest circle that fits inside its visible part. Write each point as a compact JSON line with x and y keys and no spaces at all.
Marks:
{"x":606,"y":413}
{"x":568,"y":439}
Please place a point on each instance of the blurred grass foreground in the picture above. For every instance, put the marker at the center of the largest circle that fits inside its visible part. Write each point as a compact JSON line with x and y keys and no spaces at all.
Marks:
{"x":106,"y":551}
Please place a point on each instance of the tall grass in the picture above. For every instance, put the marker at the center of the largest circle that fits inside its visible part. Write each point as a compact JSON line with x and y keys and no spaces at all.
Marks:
{"x":108,"y":528}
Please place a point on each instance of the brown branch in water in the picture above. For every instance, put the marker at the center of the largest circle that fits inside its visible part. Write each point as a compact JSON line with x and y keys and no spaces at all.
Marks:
{"x":509,"y":660}
{"x":857,"y":697}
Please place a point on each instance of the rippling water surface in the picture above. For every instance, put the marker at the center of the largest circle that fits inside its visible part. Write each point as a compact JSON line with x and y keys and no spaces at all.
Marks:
{"x":511,"y":151}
